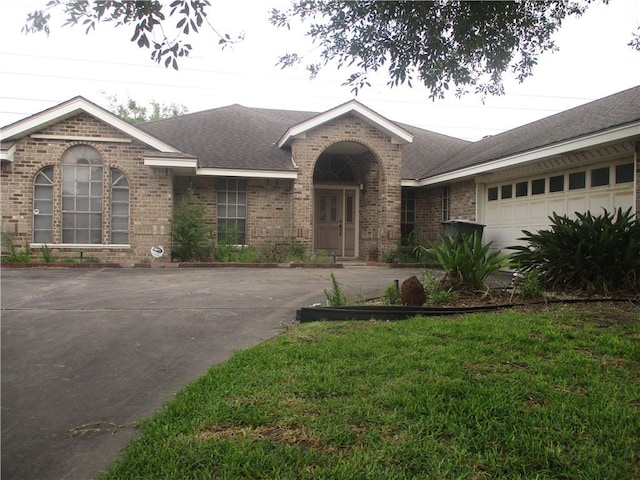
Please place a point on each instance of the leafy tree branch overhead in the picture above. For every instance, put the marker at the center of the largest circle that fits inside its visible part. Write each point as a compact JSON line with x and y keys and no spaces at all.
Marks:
{"x":440,"y":44}
{"x":443,"y":45}
{"x":151,"y":21}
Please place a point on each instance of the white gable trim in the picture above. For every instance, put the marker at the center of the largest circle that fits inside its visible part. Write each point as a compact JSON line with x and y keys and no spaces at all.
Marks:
{"x":582,"y":143}
{"x":398,"y":135}
{"x":73,"y":107}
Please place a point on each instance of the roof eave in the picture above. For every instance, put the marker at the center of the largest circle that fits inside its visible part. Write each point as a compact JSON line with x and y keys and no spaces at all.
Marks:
{"x":561,"y":148}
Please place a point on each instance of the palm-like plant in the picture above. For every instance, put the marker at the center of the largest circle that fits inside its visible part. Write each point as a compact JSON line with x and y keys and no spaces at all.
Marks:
{"x":467,"y":261}
{"x":592,"y":253}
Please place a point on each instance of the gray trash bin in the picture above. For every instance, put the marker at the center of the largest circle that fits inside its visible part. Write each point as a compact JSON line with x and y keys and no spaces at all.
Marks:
{"x":463,"y":228}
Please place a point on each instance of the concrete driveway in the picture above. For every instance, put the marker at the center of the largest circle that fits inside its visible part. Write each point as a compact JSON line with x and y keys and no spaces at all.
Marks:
{"x":88,"y":352}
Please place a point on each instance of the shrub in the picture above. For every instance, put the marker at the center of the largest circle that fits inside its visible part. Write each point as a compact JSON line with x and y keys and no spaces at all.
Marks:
{"x":391,"y":295}
{"x":47,"y":256}
{"x":435,"y":291}
{"x":320,"y":256}
{"x":530,"y":286}
{"x":336,"y":297}
{"x":21,"y":256}
{"x":190,"y":231}
{"x":466,"y":260}
{"x":598,"y":254}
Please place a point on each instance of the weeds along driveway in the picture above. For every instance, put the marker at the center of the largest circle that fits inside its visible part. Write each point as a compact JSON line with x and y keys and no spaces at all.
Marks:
{"x":87,"y":353}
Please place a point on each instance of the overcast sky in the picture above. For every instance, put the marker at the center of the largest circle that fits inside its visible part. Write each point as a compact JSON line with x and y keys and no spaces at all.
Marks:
{"x":37,"y":72}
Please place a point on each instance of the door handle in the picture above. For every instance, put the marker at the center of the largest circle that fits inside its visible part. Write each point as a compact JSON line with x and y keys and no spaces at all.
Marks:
{"x":340,"y":225}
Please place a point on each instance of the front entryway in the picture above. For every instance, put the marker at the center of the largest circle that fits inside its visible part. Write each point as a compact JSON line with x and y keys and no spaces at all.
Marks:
{"x":335,"y":221}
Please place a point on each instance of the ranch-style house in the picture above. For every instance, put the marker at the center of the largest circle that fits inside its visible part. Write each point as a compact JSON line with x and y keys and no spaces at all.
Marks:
{"x":347,"y":181}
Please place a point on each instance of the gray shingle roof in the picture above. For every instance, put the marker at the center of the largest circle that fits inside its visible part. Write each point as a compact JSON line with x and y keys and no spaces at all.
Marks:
{"x":242,"y":138}
{"x":233,"y":137}
{"x":600,"y":115}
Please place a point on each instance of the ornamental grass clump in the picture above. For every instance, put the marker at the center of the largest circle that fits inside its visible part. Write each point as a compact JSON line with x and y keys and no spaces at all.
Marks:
{"x":595,"y":254}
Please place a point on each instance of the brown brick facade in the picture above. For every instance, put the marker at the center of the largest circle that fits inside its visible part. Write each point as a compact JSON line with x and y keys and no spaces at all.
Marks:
{"x":279,"y":211}
{"x":151,"y":193}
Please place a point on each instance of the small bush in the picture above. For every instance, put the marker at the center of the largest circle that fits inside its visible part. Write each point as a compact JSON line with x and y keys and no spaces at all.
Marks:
{"x":530,"y":286}
{"x":21,"y":256}
{"x":336,"y":297}
{"x":466,"y":260}
{"x":47,"y":256}
{"x":391,"y":295}
{"x":190,"y":232}
{"x":435,"y":291}
{"x":320,"y":256}
{"x":597,"y":254}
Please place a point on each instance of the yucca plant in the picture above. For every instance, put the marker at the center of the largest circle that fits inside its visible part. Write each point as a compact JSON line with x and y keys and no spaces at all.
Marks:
{"x":598,"y":254}
{"x":467,"y":261}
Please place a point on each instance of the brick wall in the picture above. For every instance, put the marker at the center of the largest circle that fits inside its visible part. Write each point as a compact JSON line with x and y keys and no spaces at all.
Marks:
{"x":429,"y":214}
{"x":463,"y":201}
{"x":151,"y":196}
{"x":268,"y":207}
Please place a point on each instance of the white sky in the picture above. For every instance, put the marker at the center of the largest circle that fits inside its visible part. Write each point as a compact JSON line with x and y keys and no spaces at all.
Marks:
{"x":37,"y":72}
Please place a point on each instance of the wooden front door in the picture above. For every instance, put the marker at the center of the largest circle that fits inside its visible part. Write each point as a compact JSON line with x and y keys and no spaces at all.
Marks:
{"x":335,"y":214}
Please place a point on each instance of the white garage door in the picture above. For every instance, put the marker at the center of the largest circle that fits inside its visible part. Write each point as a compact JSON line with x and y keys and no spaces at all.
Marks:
{"x":527,"y":204}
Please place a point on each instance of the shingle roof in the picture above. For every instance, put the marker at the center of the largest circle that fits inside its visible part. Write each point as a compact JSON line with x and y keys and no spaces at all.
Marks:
{"x":600,"y":115}
{"x":242,"y":138}
{"x":234,"y":137}
{"x":428,"y":148}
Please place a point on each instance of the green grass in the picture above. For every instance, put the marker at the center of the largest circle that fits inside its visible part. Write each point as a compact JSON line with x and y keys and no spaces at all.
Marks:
{"x":517,"y":395}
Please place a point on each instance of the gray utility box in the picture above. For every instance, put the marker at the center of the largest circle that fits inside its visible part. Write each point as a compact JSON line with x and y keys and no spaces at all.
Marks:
{"x":453,"y":228}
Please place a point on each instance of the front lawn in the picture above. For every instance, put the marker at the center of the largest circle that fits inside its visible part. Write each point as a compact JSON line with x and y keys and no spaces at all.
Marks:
{"x":547,"y":394}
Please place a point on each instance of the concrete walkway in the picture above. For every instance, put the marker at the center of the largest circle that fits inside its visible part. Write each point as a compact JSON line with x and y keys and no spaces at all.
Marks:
{"x":88,"y":352}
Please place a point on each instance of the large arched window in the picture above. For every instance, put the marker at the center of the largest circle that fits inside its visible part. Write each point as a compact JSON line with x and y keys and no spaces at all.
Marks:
{"x":82,"y":196}
{"x":119,"y":207}
{"x":43,"y":206}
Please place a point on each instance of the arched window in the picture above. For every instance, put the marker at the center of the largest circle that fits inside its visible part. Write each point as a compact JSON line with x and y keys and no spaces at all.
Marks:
{"x":119,"y":207}
{"x":43,"y":206}
{"x":82,"y":196}
{"x":333,"y":168}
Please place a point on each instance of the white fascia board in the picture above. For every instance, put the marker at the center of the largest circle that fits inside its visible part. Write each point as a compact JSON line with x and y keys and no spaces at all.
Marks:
{"x":164,"y":162}
{"x":410,"y":183}
{"x":582,"y":143}
{"x":9,"y":154}
{"x":72,"y":107}
{"x":398,"y":135}
{"x":229,"y":172}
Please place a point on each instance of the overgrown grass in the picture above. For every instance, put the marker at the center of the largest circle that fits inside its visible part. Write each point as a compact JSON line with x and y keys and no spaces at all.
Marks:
{"x":515,"y":395}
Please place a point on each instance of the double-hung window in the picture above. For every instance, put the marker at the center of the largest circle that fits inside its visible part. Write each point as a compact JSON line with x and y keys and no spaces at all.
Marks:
{"x":232,"y":210}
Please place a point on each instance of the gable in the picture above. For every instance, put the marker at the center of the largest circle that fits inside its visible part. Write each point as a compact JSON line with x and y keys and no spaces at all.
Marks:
{"x":79,"y":105}
{"x":398,"y":134}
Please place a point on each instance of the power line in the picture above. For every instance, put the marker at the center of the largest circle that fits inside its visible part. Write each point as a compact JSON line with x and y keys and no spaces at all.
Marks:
{"x":228,"y":72}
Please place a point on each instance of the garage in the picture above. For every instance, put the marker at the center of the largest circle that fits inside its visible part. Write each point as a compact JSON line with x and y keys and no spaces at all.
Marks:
{"x":509,"y":206}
